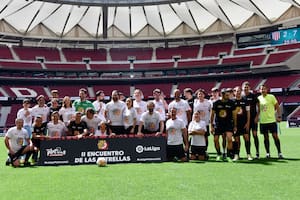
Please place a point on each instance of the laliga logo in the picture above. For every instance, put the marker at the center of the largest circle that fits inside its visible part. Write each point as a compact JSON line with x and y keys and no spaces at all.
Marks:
{"x":57,"y":152}
{"x":141,"y":149}
{"x":102,"y":145}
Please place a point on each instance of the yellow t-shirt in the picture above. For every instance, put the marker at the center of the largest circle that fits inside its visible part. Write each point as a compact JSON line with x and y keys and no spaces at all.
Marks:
{"x":267,"y":108}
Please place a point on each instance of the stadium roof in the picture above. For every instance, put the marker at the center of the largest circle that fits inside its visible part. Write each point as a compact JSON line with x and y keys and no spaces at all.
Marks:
{"x":141,"y":19}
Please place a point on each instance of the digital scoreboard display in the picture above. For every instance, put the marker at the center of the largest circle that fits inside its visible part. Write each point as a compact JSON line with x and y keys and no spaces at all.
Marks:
{"x":286,"y":36}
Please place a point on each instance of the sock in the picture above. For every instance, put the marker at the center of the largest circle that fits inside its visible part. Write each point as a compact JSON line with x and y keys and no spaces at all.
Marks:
{"x":267,"y":145}
{"x":277,"y":143}
{"x":247,"y":146}
{"x":256,"y":143}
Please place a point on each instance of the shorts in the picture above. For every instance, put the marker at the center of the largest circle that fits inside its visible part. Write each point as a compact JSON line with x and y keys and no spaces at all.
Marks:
{"x":36,"y":142}
{"x":18,"y":153}
{"x":198,"y":150}
{"x":118,"y":130}
{"x":127,"y":130}
{"x":268,"y":128}
{"x":175,"y":151}
{"x":223,"y":128}
{"x":240,"y":131}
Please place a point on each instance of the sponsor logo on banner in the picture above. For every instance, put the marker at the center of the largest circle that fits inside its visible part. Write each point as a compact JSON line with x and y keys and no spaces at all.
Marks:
{"x":276,"y":35}
{"x":56,"y":152}
{"x":141,"y":149}
{"x":102,"y":145}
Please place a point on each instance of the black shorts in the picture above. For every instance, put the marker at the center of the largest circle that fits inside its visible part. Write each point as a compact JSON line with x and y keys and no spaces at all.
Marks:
{"x":18,"y":153}
{"x":223,"y":128}
{"x":268,"y":128}
{"x":127,"y":130}
{"x":175,"y":151}
{"x":118,"y":130}
{"x":36,"y":142}
{"x":198,"y":150}
{"x":240,"y":131}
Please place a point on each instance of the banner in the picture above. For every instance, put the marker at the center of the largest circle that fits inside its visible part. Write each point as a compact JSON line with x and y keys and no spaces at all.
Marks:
{"x":114,"y":150}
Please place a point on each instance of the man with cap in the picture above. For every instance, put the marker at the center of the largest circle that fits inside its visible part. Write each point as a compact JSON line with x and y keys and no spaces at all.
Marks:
{"x":82,"y":103}
{"x":223,"y":112}
{"x":41,"y":109}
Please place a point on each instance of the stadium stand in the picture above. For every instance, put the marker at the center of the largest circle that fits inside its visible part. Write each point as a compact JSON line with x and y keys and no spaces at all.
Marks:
{"x":254,"y":59}
{"x":24,"y":90}
{"x":5,"y":52}
{"x":67,"y":90}
{"x":148,"y":88}
{"x":182,"y":52}
{"x":213,"y":50}
{"x":107,"y":89}
{"x":279,"y":57}
{"x":26,"y":65}
{"x":79,"y":54}
{"x":158,"y":65}
{"x":284,"y":47}
{"x":248,"y":51}
{"x":281,"y":81}
{"x":195,"y":85}
{"x":32,"y":53}
{"x":61,"y":66}
{"x":197,"y":63}
{"x":124,"y":54}
{"x":116,"y":66}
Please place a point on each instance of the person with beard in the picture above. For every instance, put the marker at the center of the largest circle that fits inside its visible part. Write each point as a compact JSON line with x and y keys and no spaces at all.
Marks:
{"x":114,"y":114}
{"x":151,"y":122}
{"x":82,"y":103}
{"x":77,"y":127}
{"x":99,"y":104}
{"x":224,"y":115}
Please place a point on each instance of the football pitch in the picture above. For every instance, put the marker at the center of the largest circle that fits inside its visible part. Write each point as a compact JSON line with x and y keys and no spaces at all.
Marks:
{"x":257,"y":179}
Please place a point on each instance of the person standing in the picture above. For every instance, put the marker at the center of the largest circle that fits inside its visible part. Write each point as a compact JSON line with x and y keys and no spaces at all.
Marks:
{"x":99,"y":104}
{"x":66,"y":112}
{"x":252,"y":101}
{"x":129,"y":116}
{"x":41,"y":109}
{"x":267,"y":108}
{"x":82,"y":103}
{"x":139,"y":105}
{"x":223,"y":111}
{"x":25,"y":114}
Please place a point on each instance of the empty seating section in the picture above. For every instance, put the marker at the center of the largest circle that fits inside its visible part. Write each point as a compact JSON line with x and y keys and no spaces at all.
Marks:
{"x":281,"y":81}
{"x":153,"y":65}
{"x":239,"y":82}
{"x":292,"y":99}
{"x":78,"y":54}
{"x":248,"y":51}
{"x":5,"y":52}
{"x":278,"y":57}
{"x":195,"y":85}
{"x":213,"y":50}
{"x":10,"y":64}
{"x":255,"y":59}
{"x":197,"y":63}
{"x":148,"y":88}
{"x":107,"y":89}
{"x":32,"y":53}
{"x":123,"y":54}
{"x":66,"y":66}
{"x":13,"y":114}
{"x":288,"y":46}
{"x":184,"y":52}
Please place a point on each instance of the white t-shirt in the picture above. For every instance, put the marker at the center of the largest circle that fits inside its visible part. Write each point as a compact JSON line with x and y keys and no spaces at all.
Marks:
{"x":41,"y":111}
{"x":197,"y":140}
{"x":22,"y":115}
{"x":204,"y":109}
{"x":151,"y":122}
{"x":140,"y":108}
{"x":16,"y":138}
{"x":92,"y":124}
{"x":99,"y":133}
{"x":128,"y":116}
{"x":66,"y":113}
{"x":160,"y":108}
{"x":182,"y":107}
{"x":174,"y":130}
{"x":100,"y":109}
{"x":56,"y":130}
{"x":115,"y":112}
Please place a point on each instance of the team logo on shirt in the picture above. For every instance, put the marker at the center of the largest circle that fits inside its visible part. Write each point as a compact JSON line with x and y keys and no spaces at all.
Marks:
{"x":20,"y":141}
{"x":116,"y":112}
{"x":222,"y":113}
{"x":102,"y":145}
{"x":239,"y":110}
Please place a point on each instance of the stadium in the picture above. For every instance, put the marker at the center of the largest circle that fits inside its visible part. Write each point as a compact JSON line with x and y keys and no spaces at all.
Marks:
{"x":67,"y":45}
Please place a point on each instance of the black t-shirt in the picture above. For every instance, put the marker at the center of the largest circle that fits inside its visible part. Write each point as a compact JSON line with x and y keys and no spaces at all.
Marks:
{"x":252,"y":101}
{"x":42,"y":130}
{"x":241,"y":105}
{"x":223,"y":110}
{"x":73,"y":126}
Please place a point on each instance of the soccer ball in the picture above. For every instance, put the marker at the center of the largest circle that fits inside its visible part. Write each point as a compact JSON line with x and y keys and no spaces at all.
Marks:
{"x":101,"y":162}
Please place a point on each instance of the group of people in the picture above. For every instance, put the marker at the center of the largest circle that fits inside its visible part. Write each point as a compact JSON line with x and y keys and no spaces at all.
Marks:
{"x":188,"y":120}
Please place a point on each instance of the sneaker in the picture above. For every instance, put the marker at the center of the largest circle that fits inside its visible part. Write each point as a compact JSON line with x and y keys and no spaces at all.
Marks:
{"x":257,"y":156}
{"x":249,"y":157}
{"x":7,"y":162}
{"x":268,"y":155}
{"x":236,"y":157}
{"x":224,"y":156}
{"x":280,"y":156}
{"x":228,"y":159}
{"x":218,"y":158}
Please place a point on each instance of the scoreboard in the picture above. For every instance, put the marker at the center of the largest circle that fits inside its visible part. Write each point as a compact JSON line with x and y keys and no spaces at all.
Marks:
{"x":286,"y":36}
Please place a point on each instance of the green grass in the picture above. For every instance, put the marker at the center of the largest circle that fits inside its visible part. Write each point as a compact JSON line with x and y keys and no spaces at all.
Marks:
{"x":263,"y":179}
